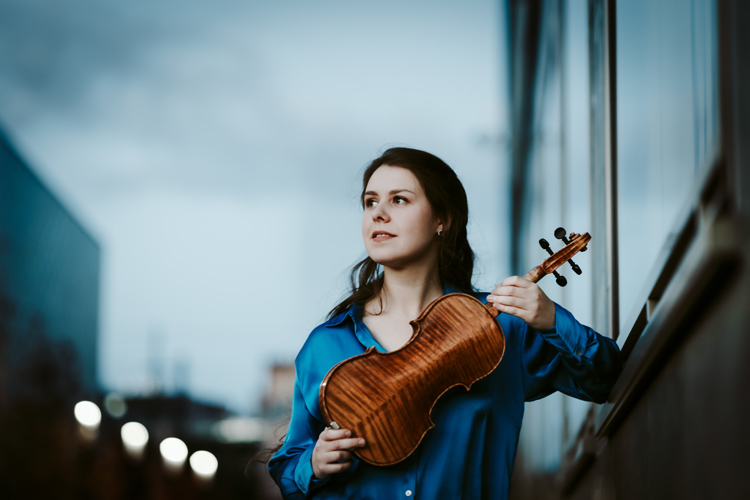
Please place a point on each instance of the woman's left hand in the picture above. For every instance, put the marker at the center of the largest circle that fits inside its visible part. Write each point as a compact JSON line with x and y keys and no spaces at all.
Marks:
{"x":524,"y":299}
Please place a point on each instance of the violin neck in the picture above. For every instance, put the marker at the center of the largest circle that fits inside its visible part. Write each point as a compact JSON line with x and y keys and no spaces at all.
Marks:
{"x":576,"y":244}
{"x":535,"y":274}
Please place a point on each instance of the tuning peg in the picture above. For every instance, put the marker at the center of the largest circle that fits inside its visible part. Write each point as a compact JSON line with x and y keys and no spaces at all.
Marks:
{"x":560,"y":235}
{"x":560,"y":279}
{"x":545,"y":245}
{"x":575,"y":267}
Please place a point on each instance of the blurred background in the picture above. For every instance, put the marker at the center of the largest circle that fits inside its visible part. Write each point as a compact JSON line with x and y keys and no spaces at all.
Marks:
{"x":179,"y":207}
{"x":186,"y":179}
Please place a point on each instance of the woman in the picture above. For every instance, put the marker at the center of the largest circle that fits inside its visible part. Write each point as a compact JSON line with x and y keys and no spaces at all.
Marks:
{"x":414,"y":230}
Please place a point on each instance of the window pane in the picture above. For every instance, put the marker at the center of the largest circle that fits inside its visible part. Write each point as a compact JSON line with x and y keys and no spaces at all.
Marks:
{"x":667,"y":126}
{"x":558,"y":194}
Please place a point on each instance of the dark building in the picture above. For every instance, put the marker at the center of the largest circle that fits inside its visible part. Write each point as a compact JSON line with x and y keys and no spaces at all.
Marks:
{"x":49,"y":282}
{"x":631,"y":121}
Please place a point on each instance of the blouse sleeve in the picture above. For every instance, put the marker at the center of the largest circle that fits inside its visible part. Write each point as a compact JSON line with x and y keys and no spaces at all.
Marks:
{"x":570,"y":358}
{"x":291,"y":466}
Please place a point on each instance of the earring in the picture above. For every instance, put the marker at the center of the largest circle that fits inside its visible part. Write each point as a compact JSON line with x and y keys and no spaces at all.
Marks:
{"x":440,"y":232}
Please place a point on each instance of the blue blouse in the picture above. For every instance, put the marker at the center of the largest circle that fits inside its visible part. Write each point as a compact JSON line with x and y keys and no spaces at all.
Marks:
{"x":470,"y":452}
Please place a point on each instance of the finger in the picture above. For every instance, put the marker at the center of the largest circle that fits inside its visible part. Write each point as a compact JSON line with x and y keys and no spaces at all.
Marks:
{"x":510,"y":281}
{"x":350,"y":444}
{"x":507,"y":290}
{"x":518,"y":289}
{"x":333,"y":458}
{"x":340,"y":456}
{"x":335,"y":468}
{"x":345,"y":444}
{"x":506,"y":300}
{"x":505,"y":293}
{"x":516,"y":281}
{"x":340,"y":445}
{"x":514,"y":311}
{"x":498,"y":290}
{"x":329,"y":434}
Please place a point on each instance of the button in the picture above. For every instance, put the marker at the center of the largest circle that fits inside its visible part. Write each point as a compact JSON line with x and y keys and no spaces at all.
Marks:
{"x":578,"y":352}
{"x":408,"y":493}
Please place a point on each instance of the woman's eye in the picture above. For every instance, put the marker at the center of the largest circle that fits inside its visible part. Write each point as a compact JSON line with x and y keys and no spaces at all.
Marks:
{"x":370,"y":202}
{"x":399,"y":200}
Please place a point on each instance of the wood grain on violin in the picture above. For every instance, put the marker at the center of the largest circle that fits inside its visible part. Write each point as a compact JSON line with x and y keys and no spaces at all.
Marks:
{"x":387,"y":398}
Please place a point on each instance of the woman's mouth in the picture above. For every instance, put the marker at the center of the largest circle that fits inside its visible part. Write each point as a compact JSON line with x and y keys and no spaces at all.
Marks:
{"x":382,"y":236}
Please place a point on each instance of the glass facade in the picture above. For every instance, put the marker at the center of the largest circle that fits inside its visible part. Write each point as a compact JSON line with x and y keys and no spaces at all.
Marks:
{"x":557,"y":194}
{"x":667,"y":129}
{"x":622,"y":125}
{"x":49,"y":276}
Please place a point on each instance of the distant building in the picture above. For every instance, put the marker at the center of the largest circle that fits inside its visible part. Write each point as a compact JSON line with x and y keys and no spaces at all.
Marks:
{"x":277,"y":400}
{"x":49,"y":281}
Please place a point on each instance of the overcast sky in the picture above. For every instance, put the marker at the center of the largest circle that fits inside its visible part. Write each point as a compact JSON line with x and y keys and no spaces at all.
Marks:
{"x":214,"y":150}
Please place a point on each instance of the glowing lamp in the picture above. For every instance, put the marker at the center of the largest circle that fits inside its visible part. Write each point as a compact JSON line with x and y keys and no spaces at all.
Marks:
{"x":204,"y":464}
{"x":134,"y":438}
{"x":174,"y":452}
{"x":88,"y":414}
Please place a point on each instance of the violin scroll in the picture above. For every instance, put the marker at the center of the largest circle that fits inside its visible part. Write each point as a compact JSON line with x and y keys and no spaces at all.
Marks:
{"x":576,"y":243}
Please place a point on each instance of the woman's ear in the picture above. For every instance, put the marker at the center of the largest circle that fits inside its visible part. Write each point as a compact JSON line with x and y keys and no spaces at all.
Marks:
{"x":444,"y":223}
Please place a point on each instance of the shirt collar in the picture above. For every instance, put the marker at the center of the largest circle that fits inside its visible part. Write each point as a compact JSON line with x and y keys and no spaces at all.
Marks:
{"x":337,"y":320}
{"x":354,"y":313}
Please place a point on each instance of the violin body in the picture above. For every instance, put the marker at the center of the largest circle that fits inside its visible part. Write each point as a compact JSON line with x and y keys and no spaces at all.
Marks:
{"x":387,"y":397}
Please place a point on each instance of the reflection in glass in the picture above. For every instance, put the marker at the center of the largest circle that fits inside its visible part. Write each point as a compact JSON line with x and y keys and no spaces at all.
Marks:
{"x":667,"y":127}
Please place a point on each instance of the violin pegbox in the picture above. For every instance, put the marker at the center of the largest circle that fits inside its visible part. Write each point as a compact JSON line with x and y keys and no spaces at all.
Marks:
{"x":575,"y":244}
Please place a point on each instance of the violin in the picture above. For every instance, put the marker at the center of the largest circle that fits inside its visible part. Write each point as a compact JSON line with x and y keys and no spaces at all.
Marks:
{"x":387,"y":397}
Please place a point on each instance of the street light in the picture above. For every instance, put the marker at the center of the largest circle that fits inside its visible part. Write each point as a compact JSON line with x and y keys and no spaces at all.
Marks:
{"x":134,"y":439}
{"x":88,"y":416}
{"x":174,"y":452}
{"x":204,"y":464}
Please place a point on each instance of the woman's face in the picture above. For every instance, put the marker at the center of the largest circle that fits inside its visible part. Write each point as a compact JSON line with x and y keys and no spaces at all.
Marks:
{"x":398,"y":226}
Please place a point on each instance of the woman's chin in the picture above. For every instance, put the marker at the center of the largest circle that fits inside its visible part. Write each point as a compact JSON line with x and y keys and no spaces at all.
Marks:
{"x":386,"y":259}
{"x":397,"y":260}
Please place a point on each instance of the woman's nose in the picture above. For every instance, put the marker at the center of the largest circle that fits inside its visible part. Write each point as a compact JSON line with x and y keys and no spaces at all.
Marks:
{"x":379,"y":212}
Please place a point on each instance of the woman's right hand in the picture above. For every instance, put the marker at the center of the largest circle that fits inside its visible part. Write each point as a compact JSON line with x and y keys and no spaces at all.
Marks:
{"x":333,"y":452}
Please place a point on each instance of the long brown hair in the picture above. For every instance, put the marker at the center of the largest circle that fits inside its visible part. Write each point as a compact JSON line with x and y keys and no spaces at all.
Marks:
{"x":447,"y":198}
